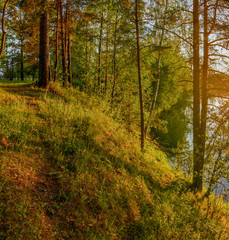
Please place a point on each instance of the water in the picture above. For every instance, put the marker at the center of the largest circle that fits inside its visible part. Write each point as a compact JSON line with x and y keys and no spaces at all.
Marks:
{"x":222,"y":189}
{"x":179,"y":128}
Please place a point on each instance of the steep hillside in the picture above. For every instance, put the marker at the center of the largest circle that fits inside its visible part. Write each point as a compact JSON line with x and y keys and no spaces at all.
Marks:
{"x":69,"y":171}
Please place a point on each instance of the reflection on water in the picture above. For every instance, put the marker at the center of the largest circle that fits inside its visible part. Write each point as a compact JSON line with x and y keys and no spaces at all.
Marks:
{"x":179,"y":130}
{"x":177,"y":121}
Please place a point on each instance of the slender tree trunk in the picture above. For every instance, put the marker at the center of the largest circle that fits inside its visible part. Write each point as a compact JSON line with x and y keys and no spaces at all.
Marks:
{"x":22,"y":60}
{"x":87,"y":65}
{"x":69,"y":60}
{"x":3,"y":27}
{"x":18,"y":73}
{"x":50,"y":73}
{"x":204,"y":107}
{"x":63,"y":50}
{"x":44,"y":47}
{"x":139,"y":77}
{"x":100,"y":54}
{"x":107,"y":55}
{"x":12,"y":70}
{"x":129,"y":109}
{"x":197,"y":162}
{"x":69,"y":47}
{"x":57,"y":39}
{"x":66,"y":32}
{"x":114,"y":59}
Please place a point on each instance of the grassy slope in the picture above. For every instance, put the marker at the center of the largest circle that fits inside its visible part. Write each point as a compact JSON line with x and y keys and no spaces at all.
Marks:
{"x":69,"y":171}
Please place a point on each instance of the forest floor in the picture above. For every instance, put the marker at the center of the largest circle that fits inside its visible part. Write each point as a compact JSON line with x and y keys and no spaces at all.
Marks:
{"x":69,"y":171}
{"x":25,"y":168}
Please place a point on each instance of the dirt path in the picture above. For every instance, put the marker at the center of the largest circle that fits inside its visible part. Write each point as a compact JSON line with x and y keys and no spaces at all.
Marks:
{"x":32,"y":174}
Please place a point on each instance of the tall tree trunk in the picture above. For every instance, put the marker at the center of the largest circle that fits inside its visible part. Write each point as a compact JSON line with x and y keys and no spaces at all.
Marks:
{"x":50,"y":73}
{"x":204,"y":107}
{"x":69,"y":46}
{"x":87,"y":65}
{"x":3,"y":27}
{"x":114,"y":59}
{"x":12,"y":70}
{"x":100,"y":54}
{"x":139,"y":76}
{"x":107,"y":55}
{"x":18,"y":72}
{"x":22,"y":59}
{"x":63,"y":50}
{"x":44,"y":46}
{"x":57,"y":39}
{"x":66,"y":32}
{"x":197,"y":162}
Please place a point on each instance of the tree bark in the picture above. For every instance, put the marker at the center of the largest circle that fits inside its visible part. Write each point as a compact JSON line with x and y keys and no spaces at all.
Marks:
{"x":63,"y":50}
{"x":100,"y":54}
{"x":197,"y":162}
{"x":44,"y":46}
{"x":22,"y":59}
{"x":12,"y":70}
{"x":66,"y":33}
{"x":69,"y":46}
{"x":107,"y":55}
{"x":204,"y":107}
{"x":87,"y":61}
{"x":57,"y":39}
{"x":139,"y":76}
{"x":3,"y":27}
{"x":114,"y":59}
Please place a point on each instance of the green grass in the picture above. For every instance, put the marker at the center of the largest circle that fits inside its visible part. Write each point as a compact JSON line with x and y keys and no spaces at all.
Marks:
{"x":70,"y":171}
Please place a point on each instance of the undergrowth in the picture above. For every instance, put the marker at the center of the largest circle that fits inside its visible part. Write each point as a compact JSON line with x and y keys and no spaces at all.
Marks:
{"x":70,"y":171}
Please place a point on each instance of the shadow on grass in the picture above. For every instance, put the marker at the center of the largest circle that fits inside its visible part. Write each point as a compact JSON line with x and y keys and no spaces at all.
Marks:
{"x":28,"y":90}
{"x":21,"y":89}
{"x":6,"y":85}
